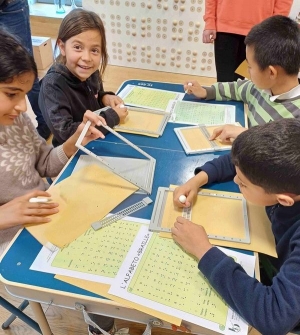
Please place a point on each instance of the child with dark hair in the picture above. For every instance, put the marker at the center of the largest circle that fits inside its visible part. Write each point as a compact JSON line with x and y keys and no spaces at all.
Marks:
{"x":25,"y":157}
{"x":74,"y":83}
{"x":265,"y":164}
{"x":273,"y":56}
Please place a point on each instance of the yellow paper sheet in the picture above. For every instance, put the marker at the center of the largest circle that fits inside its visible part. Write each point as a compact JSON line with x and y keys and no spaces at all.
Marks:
{"x":102,"y":289}
{"x":197,"y":140}
{"x":140,"y":123}
{"x":85,"y":197}
{"x":205,"y":210}
{"x":261,"y":236}
{"x":242,"y":70}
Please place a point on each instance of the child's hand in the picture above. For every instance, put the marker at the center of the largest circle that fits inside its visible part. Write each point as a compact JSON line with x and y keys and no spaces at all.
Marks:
{"x":111,"y":100}
{"x":189,"y":190}
{"x":209,"y":36}
{"x":193,"y":87}
{"x":227,"y":133}
{"x":122,"y":111}
{"x":21,"y":211}
{"x":92,"y":133}
{"x":95,"y":119}
{"x":191,"y":237}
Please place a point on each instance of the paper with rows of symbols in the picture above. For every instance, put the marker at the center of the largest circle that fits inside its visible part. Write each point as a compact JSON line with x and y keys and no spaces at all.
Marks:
{"x":188,"y":112}
{"x":156,"y":273}
{"x":95,"y":255}
{"x":147,"y":97}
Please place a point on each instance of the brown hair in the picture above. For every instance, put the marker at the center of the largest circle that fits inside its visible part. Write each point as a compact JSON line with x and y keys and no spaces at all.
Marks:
{"x":77,"y":22}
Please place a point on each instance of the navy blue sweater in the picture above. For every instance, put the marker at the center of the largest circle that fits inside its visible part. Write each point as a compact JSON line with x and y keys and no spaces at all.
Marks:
{"x":272,"y":310}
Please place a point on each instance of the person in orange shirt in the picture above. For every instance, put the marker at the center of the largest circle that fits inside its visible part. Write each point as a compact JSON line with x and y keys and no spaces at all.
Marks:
{"x":227,"y":23}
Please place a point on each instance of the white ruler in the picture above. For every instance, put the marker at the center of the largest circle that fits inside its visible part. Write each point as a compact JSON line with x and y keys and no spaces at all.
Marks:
{"x":121,"y":214}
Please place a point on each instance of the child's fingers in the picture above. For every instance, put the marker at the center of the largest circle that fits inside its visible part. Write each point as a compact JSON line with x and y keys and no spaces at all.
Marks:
{"x":194,"y":83}
{"x":121,"y":108}
{"x":187,"y":89}
{"x":217,"y":132}
{"x":224,"y":137}
{"x":36,"y":219}
{"x":100,"y":121}
{"x":188,"y":202}
{"x":114,"y":103}
{"x":189,"y":84}
{"x":179,"y":194}
{"x":176,"y":194}
{"x":41,"y":211}
{"x":94,"y":133}
{"x":47,"y":205}
{"x":179,"y":204}
{"x":119,"y":100}
{"x":94,"y":118}
{"x":180,"y":220}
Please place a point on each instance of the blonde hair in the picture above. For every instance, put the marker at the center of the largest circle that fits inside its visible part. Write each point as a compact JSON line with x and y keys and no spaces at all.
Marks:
{"x":77,"y":22}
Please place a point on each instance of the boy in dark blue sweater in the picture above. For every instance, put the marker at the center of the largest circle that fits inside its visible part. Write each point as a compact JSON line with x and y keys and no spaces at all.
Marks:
{"x":265,"y":163}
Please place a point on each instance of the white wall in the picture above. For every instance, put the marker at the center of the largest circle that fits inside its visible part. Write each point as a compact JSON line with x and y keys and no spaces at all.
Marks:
{"x":295,"y":11}
{"x":162,"y":35}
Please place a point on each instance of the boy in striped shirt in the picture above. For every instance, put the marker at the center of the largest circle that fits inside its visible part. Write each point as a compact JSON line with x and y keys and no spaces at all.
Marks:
{"x":273,"y":57}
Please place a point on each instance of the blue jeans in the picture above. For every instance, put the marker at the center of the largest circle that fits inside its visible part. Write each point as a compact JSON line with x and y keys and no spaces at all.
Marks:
{"x":14,"y":16}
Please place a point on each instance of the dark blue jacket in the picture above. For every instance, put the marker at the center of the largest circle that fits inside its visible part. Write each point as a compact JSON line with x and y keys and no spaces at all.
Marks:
{"x":272,"y":310}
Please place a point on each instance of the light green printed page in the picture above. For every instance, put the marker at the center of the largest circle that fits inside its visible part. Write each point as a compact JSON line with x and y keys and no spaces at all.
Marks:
{"x":99,"y":252}
{"x":149,"y":98}
{"x":198,"y":113}
{"x":169,"y":276}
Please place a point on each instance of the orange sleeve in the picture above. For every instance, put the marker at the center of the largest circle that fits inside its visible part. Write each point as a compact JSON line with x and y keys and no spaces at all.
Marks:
{"x":210,"y":14}
{"x":282,"y":7}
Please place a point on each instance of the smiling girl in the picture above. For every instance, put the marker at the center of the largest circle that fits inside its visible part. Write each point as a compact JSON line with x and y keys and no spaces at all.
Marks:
{"x":74,"y":83}
{"x":25,"y":157}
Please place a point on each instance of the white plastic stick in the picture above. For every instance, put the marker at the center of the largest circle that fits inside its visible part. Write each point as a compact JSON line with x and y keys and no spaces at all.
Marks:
{"x":40,"y":200}
{"x":186,"y":91}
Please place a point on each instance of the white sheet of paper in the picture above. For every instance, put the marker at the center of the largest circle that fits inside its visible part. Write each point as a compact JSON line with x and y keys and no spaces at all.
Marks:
{"x":47,"y":254}
{"x":121,"y":285}
{"x":188,"y":112}
{"x":147,"y":97}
